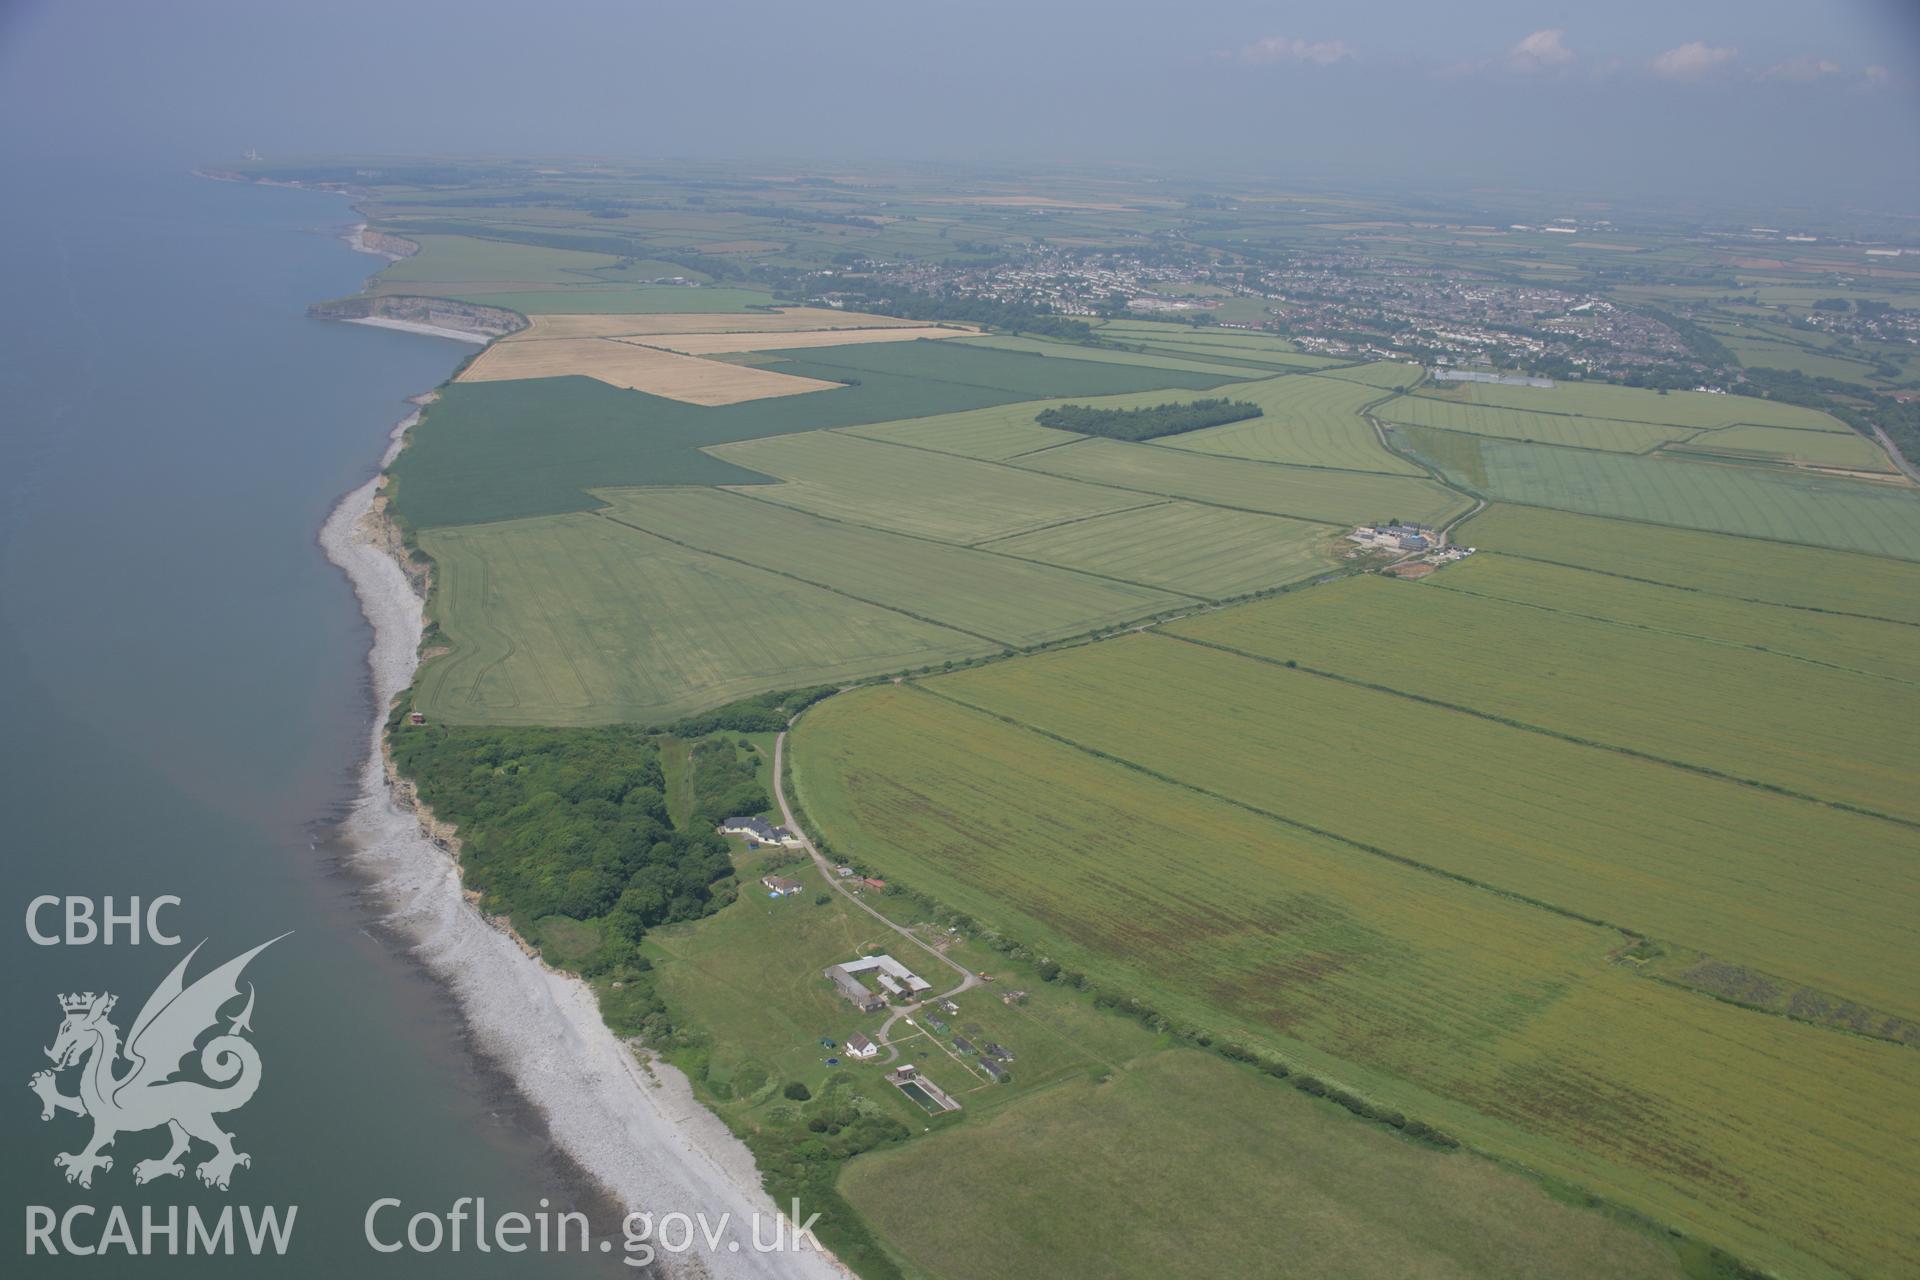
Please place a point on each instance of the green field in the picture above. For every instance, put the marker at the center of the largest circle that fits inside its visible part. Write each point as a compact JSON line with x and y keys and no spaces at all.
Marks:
{"x":1336,"y":497}
{"x":1823,"y":511}
{"x":1003,"y":431}
{"x":1009,"y":601}
{"x":502,"y":450}
{"x":1823,"y":895}
{"x":1306,"y":420}
{"x":465,"y":259}
{"x":569,"y":620}
{"x":1762,"y":717}
{"x":915,"y":491}
{"x":1496,"y":1020}
{"x":612,"y":299}
{"x":749,"y":979}
{"x":1526,"y":424}
{"x":1817,"y":448}
{"x":1864,"y":645}
{"x":1017,"y":376}
{"x":1388,"y":375}
{"x":1740,"y":568}
{"x":1075,"y":351}
{"x":1632,"y":404}
{"x":1251,"y":1180}
{"x":1182,"y":546}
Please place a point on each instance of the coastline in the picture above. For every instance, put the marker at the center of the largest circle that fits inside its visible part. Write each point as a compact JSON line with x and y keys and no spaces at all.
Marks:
{"x":636,"y":1129}
{"x":409,"y":326}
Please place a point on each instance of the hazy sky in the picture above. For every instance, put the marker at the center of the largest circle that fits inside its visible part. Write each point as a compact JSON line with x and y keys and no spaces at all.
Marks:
{"x":1805,"y":100}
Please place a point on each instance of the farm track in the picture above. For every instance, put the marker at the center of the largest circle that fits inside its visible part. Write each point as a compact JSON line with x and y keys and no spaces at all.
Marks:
{"x":968,"y":979}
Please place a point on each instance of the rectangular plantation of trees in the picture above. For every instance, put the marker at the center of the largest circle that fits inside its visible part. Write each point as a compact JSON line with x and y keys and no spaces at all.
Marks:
{"x":1500,"y":1022}
{"x":1149,"y":422}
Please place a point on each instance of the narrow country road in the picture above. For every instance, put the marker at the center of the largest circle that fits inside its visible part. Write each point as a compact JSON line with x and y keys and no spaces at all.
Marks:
{"x":968,"y":980}
{"x":1893,"y":451}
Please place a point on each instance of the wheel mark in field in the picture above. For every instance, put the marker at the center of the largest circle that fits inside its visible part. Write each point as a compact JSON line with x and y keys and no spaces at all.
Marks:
{"x":1718,"y":595}
{"x":1298,"y":825}
{"x":986,"y":550}
{"x":1157,"y":493}
{"x":1667,"y":631}
{"x":781,"y":573}
{"x":1543,"y":731}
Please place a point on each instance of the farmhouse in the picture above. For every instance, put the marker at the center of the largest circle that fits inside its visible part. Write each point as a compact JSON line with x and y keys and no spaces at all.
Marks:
{"x":758,"y":830}
{"x":896,"y":982}
{"x":780,"y":886}
{"x":858,"y":1046}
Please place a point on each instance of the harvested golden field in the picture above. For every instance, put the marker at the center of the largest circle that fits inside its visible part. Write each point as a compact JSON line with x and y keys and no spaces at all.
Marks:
{"x":648,"y":369}
{"x":708,"y":344}
{"x":786,"y":320}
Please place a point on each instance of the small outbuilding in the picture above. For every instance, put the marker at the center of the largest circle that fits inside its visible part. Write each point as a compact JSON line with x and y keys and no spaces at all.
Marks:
{"x":858,"y":1046}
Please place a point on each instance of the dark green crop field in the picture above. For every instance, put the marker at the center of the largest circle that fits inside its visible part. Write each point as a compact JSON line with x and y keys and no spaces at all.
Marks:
{"x":505,"y":450}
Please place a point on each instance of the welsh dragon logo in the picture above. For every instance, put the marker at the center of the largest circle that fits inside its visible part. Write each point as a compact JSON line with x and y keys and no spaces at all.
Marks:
{"x":146,"y":1094}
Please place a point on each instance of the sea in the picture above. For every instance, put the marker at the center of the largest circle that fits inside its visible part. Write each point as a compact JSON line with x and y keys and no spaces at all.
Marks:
{"x":184,"y":715}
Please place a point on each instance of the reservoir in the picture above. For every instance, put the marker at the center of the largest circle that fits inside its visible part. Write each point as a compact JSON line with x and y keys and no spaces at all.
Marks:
{"x":184,"y":709}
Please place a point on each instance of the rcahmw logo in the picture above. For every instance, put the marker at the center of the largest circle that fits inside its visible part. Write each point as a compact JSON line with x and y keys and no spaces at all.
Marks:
{"x":146,"y":1082}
